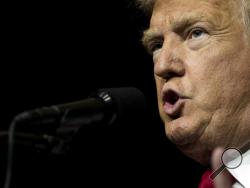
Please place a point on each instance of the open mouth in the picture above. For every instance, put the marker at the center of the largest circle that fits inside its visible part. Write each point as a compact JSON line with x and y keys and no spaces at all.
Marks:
{"x":171,"y":97}
{"x":172,"y":103}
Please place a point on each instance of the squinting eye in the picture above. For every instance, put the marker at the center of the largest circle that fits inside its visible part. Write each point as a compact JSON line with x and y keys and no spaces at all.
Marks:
{"x":196,"y":33}
{"x":154,"y":46}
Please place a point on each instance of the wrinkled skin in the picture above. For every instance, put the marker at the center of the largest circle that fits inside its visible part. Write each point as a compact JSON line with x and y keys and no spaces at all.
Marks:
{"x":200,"y":50}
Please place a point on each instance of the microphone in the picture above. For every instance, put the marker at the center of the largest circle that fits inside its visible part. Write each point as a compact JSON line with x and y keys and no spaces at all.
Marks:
{"x":104,"y":107}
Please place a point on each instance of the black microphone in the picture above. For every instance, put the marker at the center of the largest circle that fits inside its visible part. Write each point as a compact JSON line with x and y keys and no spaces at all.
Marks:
{"x":104,"y":107}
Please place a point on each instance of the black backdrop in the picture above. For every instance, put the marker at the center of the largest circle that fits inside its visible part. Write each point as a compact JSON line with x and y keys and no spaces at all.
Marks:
{"x":57,"y":52}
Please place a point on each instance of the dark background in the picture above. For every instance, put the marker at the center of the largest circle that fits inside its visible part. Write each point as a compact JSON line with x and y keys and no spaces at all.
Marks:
{"x":57,"y":52}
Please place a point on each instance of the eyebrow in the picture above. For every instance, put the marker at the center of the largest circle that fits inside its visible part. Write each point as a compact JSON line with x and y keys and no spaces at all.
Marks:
{"x":177,"y":25}
{"x":185,"y":22}
{"x":149,"y":35}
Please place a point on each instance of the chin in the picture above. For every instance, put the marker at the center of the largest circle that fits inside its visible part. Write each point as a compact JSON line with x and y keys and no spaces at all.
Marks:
{"x":186,"y":134}
{"x":194,"y":150}
{"x":184,"y":130}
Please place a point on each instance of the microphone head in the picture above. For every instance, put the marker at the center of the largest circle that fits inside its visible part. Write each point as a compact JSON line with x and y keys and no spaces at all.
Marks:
{"x":128,"y":103}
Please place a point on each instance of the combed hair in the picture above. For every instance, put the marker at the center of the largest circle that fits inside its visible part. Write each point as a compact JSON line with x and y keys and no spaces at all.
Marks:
{"x":147,"y":7}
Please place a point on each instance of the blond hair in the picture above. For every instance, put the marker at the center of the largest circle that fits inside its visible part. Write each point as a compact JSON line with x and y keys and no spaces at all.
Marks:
{"x":148,"y":5}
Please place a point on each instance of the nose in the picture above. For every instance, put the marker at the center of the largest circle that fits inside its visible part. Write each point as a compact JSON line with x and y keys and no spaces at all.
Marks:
{"x":169,"y":62}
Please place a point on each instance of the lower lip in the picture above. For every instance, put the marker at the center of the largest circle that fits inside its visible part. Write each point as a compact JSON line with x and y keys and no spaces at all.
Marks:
{"x":173,"y":109}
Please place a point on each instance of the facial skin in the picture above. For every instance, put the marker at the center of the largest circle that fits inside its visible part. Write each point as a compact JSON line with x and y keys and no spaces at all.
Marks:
{"x":200,"y":51}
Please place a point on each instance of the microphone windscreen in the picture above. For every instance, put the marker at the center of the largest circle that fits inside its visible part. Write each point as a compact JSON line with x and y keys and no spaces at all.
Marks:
{"x":130,"y":102}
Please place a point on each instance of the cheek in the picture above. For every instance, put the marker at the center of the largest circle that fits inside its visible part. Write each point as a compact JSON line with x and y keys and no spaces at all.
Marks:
{"x":220,"y":79}
{"x":212,"y":75}
{"x":204,"y":82}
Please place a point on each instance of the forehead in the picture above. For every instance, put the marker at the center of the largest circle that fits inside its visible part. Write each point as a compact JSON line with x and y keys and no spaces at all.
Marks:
{"x":216,"y":11}
{"x":187,"y":4}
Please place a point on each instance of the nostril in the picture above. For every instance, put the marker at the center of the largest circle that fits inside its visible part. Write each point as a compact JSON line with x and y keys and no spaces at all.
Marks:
{"x":171,"y":97}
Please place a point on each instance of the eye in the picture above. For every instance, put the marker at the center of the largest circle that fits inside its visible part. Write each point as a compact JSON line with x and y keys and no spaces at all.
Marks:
{"x":154,"y":46}
{"x":197,"y":33}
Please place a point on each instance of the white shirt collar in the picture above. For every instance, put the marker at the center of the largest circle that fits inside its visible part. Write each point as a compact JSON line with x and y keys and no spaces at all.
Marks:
{"x":242,"y":173}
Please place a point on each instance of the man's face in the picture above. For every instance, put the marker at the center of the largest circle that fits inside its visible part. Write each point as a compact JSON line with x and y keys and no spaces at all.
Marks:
{"x":202,"y":71}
